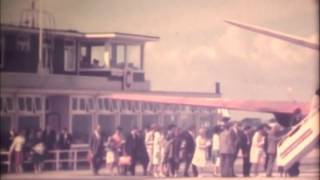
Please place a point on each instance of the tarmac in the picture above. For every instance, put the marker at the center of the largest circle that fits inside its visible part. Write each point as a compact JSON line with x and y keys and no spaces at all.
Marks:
{"x":87,"y":175}
{"x":309,"y":169}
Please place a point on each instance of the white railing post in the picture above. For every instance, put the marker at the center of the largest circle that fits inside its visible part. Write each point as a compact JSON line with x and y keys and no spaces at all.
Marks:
{"x":57,"y":160}
{"x":75,"y":158}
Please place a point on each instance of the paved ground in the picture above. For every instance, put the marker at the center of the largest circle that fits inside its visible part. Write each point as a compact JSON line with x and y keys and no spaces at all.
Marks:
{"x":309,"y":170}
{"x":82,"y":175}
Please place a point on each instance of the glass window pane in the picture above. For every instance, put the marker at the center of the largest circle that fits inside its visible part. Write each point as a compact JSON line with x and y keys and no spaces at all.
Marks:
{"x":120,"y":55}
{"x":107,"y":123}
{"x":4,"y":132}
{"x":85,"y":59}
{"x":114,"y":105}
{"x":3,"y":49}
{"x":100,"y":104}
{"x":90,"y":103}
{"x":97,"y":56}
{"x":127,"y":122}
{"x":82,"y":104}
{"x":169,"y":120}
{"x":21,"y":104}
{"x":147,"y":120}
{"x":81,"y":128}
{"x":23,"y":43}
{"x":106,"y":104}
{"x":69,"y":57}
{"x":9,"y":103}
{"x":28,"y":123}
{"x":47,"y":104}
{"x":134,"y":56}
{"x":0,"y":103}
{"x":74,"y":104}
{"x":29,"y":103}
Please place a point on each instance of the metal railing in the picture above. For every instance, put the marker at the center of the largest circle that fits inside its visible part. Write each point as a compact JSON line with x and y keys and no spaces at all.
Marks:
{"x":72,"y":158}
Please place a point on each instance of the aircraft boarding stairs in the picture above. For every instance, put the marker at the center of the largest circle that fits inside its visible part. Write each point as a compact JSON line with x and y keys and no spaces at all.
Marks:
{"x":299,"y":141}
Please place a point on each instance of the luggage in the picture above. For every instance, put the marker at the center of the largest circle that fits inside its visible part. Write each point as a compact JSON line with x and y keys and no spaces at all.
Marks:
{"x":294,"y":171}
{"x":125,"y":160}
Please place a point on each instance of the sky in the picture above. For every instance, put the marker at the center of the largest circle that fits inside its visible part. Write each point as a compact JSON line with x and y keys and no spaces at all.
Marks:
{"x":197,"y":49}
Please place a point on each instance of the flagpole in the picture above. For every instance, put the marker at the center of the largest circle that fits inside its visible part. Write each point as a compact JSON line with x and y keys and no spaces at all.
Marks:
{"x":40,"y":62}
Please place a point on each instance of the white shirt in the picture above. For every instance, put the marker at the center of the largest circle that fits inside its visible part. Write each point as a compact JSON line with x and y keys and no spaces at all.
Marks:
{"x":215,"y":142}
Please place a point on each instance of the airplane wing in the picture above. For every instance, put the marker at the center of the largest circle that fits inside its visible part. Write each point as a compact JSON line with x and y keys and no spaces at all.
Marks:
{"x":285,"y":37}
{"x":281,"y":107}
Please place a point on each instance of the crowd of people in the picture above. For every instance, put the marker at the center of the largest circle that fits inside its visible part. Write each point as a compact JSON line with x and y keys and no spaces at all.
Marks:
{"x":33,"y":146}
{"x":171,"y":151}
{"x":162,"y":151}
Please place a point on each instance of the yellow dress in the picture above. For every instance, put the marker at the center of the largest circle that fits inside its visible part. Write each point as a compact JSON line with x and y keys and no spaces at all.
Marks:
{"x":199,"y":157}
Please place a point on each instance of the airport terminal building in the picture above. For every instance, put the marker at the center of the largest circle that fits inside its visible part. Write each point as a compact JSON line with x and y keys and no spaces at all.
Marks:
{"x":64,"y":82}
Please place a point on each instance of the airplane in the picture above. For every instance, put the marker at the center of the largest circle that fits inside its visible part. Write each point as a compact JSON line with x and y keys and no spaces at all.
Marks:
{"x":304,"y":134}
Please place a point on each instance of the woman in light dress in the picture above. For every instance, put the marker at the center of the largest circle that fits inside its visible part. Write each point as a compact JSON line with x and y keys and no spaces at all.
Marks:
{"x":215,"y":150}
{"x":158,"y":152}
{"x":16,"y":150}
{"x":149,"y":138}
{"x":199,"y":157}
{"x":257,"y":154}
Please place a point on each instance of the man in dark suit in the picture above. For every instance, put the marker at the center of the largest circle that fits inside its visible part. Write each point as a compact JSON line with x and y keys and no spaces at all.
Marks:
{"x":189,"y":148}
{"x":49,"y":137}
{"x":246,"y":145}
{"x":237,"y":138}
{"x":227,"y":151}
{"x":131,"y":149}
{"x":64,"y":143}
{"x":96,"y":149}
{"x":142,"y":155}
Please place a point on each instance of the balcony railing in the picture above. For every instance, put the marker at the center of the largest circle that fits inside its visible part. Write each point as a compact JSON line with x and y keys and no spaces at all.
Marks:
{"x":56,"y":158}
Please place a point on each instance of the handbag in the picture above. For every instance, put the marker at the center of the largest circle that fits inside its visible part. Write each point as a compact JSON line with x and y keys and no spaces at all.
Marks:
{"x":125,"y":160}
{"x":39,"y":148}
{"x":90,"y":156}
